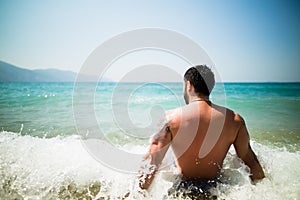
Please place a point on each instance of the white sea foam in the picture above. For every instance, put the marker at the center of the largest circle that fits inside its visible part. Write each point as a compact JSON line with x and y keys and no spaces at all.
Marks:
{"x":60,"y":167}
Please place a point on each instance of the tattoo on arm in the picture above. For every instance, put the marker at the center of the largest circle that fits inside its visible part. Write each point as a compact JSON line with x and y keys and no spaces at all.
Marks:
{"x":157,"y":151}
{"x":168,"y":130}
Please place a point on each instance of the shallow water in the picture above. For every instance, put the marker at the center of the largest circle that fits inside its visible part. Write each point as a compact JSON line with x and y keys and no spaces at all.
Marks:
{"x":60,"y":167}
{"x":44,"y":157}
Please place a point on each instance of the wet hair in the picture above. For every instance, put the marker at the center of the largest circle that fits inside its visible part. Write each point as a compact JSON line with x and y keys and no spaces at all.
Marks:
{"x":202,"y":78}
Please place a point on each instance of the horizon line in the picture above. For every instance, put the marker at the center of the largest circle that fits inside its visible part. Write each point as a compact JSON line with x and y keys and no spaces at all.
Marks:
{"x":182,"y":81}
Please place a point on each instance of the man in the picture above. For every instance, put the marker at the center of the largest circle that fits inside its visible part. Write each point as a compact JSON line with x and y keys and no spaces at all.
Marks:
{"x":200,"y":135}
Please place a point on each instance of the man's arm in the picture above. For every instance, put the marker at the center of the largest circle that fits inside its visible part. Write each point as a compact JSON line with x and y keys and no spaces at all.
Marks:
{"x":158,"y":148}
{"x":244,"y":151}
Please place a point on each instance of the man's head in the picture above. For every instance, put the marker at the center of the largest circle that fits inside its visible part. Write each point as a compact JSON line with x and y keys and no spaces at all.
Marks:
{"x":201,"y":79}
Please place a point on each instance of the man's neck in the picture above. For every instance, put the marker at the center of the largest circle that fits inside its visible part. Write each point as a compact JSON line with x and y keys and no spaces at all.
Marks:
{"x":198,"y":98}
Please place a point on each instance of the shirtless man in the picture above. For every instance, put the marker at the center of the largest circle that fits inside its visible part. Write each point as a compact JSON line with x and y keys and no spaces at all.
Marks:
{"x":200,"y":134}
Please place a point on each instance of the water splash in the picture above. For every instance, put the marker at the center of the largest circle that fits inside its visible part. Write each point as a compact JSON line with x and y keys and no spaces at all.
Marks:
{"x":60,"y":168}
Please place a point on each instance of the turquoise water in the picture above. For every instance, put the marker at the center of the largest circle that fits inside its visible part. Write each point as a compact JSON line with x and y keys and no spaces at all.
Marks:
{"x":42,"y":155}
{"x":271,"y":110}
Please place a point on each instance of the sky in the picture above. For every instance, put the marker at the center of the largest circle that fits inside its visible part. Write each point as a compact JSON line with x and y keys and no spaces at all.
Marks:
{"x":248,"y":40}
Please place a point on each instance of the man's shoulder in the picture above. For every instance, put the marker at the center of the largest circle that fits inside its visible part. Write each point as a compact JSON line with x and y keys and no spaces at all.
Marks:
{"x":170,"y":114}
{"x":173,"y":117}
{"x":238,"y":118}
{"x":231,"y":114}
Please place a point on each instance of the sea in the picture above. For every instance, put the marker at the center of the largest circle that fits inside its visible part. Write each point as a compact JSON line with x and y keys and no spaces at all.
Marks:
{"x":87,"y":140}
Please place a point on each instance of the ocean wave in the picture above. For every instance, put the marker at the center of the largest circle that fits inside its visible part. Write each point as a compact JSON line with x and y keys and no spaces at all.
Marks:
{"x":61,"y":168}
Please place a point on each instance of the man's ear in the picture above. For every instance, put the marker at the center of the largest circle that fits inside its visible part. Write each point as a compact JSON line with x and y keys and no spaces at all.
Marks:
{"x":189,"y":86}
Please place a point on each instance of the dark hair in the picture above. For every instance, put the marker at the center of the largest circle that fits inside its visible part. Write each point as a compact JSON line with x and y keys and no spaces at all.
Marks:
{"x":202,"y":78}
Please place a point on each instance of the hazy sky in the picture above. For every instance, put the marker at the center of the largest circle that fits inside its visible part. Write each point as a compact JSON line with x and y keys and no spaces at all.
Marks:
{"x":247,"y":40}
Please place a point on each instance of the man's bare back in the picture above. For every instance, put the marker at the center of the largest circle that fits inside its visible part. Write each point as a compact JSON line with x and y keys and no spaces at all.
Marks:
{"x":200,"y":135}
{"x":201,"y":114}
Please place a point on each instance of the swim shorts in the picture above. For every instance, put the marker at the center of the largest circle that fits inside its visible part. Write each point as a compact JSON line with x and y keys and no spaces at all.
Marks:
{"x":193,"y":189}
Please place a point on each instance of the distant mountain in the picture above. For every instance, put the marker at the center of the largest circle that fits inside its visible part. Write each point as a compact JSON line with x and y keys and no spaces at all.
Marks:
{"x":11,"y":73}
